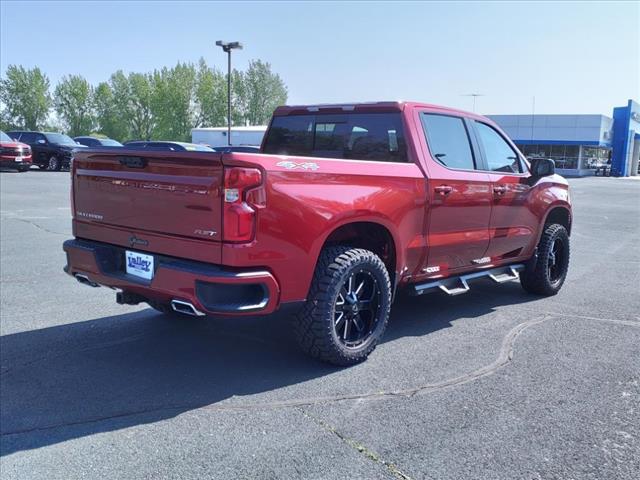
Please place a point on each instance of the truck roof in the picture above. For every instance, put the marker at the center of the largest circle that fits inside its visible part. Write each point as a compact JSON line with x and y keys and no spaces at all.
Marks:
{"x":386,"y":106}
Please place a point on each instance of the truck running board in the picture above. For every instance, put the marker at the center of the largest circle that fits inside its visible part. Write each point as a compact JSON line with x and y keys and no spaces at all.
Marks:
{"x":458,"y":285}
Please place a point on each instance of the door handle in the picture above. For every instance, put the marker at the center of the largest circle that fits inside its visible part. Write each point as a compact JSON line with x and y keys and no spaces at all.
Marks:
{"x":444,"y":189}
{"x":499,"y":189}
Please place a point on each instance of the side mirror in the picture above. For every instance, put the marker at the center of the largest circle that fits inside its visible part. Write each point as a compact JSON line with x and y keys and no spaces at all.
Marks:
{"x":542,"y":167}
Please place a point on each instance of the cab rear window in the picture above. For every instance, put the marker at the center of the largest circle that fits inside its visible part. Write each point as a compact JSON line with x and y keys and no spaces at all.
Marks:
{"x":355,"y":136}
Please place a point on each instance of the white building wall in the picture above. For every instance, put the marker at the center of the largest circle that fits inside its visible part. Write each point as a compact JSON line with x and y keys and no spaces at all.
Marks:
{"x":556,"y":128}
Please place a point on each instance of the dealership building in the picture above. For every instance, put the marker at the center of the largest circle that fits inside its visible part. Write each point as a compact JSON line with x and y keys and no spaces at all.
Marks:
{"x":580,"y":144}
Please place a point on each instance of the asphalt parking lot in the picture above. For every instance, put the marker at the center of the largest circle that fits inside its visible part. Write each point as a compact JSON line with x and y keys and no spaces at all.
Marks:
{"x":494,"y":384}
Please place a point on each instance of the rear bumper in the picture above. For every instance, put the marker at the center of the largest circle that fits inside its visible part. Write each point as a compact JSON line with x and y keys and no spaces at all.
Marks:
{"x":212,"y":289}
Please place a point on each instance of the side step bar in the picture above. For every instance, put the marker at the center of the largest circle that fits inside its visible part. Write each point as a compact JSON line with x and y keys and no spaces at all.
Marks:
{"x":458,"y":285}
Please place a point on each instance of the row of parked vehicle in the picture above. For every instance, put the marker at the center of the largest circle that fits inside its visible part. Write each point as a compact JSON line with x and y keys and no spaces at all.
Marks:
{"x":20,"y":150}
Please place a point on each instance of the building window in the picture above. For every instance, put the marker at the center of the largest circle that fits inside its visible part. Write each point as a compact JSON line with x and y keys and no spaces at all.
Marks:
{"x":594,"y":157}
{"x":565,"y":156}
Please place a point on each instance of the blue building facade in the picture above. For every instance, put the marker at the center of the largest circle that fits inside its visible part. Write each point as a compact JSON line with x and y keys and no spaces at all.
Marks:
{"x":626,"y":140}
{"x":580,"y":144}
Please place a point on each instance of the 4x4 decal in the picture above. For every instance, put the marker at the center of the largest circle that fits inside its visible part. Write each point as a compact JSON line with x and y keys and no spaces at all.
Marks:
{"x":293,"y":165}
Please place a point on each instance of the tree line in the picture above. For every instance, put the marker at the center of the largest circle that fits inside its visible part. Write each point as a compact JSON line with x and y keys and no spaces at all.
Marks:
{"x":162,"y":105}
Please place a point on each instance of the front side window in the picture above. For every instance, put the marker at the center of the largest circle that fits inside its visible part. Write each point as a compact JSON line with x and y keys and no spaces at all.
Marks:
{"x":448,"y":141}
{"x":353,"y":136}
{"x":500,"y":156}
{"x":28,"y":137}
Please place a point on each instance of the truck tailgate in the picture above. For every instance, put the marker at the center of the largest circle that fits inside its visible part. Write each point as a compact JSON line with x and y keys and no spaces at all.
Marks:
{"x":175,"y":194}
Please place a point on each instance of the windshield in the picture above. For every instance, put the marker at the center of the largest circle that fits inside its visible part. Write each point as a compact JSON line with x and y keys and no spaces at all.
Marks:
{"x":192,"y":147}
{"x":4,"y":137}
{"x":60,"y":139}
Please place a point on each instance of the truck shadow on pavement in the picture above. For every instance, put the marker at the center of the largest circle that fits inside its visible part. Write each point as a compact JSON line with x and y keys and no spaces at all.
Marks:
{"x":101,"y":375}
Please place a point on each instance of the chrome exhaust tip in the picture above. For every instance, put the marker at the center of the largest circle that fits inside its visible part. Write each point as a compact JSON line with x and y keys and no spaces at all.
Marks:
{"x":186,"y":308}
{"x":83,"y":279}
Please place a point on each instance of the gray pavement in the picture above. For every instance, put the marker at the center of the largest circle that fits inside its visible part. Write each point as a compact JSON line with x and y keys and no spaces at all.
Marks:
{"x":493,"y":384}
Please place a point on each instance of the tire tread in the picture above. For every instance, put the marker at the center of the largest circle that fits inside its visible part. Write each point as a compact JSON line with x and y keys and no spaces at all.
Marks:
{"x":312,"y":327}
{"x":534,"y":279}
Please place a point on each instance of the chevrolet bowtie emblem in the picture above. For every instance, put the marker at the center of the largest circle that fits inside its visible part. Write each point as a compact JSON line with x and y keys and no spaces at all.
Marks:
{"x":133,"y":241}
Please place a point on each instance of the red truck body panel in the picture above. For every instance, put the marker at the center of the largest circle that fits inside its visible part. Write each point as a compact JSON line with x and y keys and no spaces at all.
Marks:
{"x":10,"y":152}
{"x":166,"y":207}
{"x":166,"y":202}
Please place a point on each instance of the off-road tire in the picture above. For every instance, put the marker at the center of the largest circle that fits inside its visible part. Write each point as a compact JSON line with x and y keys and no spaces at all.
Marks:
{"x":537,"y":276}
{"x":315,"y":325}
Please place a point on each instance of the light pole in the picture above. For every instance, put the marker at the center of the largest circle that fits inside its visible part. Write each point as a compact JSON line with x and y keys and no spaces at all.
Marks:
{"x":227,"y":47}
{"x":474,"y":95}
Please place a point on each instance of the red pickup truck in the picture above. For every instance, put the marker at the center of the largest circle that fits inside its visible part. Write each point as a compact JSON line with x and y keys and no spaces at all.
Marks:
{"x":343,"y":205}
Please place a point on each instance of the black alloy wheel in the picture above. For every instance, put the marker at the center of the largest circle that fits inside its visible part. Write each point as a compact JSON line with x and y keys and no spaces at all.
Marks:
{"x":557,"y":261}
{"x":357,"y":309}
{"x":547,"y":270}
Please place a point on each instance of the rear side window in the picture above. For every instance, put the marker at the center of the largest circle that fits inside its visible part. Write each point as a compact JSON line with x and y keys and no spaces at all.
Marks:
{"x":500,"y":156}
{"x":448,"y":140}
{"x":357,"y":136}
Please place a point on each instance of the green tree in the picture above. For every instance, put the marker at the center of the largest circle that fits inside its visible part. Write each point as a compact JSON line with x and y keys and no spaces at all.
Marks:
{"x":24,"y":98}
{"x":109,"y":120}
{"x":73,"y":100}
{"x":263,"y":91}
{"x":174,"y":102}
{"x":139,"y":106}
{"x":210,"y":96}
{"x":238,"y":98}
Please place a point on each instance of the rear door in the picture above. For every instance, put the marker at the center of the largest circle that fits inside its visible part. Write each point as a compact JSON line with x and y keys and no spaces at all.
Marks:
{"x":513,"y":224}
{"x":460,"y":195}
{"x":173,"y":194}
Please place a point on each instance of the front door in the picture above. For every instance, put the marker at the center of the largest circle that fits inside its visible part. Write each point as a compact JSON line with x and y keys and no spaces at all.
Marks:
{"x":460,"y":196}
{"x":38,"y":154}
{"x":513,"y":224}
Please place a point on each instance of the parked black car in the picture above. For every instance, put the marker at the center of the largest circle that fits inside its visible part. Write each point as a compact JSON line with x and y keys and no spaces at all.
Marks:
{"x":97,"y":142}
{"x":168,"y":146}
{"x":50,"y":150}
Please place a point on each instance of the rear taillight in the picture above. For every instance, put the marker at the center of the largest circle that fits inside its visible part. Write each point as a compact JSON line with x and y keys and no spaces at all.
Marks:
{"x":243,"y":194}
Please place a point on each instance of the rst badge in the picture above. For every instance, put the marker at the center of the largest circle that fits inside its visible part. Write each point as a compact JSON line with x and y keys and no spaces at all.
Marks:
{"x":139,"y":264}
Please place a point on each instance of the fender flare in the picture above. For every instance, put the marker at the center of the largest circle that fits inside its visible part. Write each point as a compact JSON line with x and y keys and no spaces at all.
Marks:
{"x":369,"y":217}
{"x":557,"y":204}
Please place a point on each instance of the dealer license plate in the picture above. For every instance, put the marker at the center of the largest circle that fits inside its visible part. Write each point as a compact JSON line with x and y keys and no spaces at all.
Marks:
{"x":139,"y":264}
{"x":18,"y":159}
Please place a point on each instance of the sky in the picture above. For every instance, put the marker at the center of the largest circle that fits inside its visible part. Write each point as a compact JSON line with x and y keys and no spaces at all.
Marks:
{"x":572,"y":57}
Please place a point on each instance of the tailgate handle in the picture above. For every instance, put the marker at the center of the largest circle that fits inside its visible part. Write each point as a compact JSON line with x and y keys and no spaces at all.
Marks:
{"x":133,"y":162}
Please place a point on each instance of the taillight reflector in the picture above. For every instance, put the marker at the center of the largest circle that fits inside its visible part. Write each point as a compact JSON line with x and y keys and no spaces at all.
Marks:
{"x":239,"y":216}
